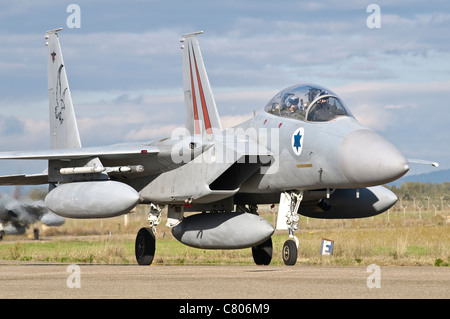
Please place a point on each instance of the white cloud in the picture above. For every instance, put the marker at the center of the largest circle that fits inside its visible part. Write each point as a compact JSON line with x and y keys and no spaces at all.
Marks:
{"x":418,"y":20}
{"x":395,"y":88}
{"x":399,"y":106}
{"x":124,"y":66}
{"x":233,"y":120}
{"x":377,"y":118}
{"x":150,"y":132}
{"x":23,"y":134}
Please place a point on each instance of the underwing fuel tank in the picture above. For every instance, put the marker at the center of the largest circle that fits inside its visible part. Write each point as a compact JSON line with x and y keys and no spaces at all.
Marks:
{"x":347,"y":203}
{"x":223,"y":230}
{"x":99,"y":199}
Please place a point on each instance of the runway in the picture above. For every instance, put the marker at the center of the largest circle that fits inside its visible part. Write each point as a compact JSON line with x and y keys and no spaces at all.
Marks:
{"x":24,"y":280}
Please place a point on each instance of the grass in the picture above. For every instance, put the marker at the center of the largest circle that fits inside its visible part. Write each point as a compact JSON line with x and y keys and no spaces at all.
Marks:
{"x":397,"y":241}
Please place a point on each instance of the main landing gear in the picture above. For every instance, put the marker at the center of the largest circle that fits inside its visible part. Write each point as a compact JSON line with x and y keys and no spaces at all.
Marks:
{"x":287,"y":219}
{"x":145,"y":244}
{"x":262,"y":253}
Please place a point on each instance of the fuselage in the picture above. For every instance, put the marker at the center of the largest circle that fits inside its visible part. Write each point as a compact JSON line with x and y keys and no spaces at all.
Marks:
{"x":309,"y":150}
{"x":341,"y":153}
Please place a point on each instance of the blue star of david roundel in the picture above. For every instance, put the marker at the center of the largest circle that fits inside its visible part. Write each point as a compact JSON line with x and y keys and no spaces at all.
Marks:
{"x":297,"y":141}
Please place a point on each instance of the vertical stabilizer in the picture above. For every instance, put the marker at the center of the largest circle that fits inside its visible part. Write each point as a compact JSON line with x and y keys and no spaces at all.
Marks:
{"x":201,"y":110}
{"x":63,"y":125}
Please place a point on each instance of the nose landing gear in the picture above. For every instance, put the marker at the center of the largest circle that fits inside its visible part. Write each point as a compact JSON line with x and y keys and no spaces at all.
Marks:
{"x":288,"y":219}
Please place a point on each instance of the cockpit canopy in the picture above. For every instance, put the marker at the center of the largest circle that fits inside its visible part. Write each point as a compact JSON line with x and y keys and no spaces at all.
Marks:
{"x":307,"y":102}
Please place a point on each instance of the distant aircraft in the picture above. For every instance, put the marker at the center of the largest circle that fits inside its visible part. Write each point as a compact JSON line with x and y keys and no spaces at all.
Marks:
{"x":16,"y":215}
{"x":305,"y":151}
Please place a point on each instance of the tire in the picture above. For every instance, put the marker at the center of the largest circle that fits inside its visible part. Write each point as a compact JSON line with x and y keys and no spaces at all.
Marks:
{"x":144,"y":247}
{"x":262,"y":254}
{"x":36,"y":233}
{"x":290,"y":253}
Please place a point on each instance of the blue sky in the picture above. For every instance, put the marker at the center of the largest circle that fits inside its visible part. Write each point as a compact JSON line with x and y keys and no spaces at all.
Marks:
{"x":124,"y":66}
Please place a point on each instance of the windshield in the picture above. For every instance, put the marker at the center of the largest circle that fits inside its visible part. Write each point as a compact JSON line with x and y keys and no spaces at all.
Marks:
{"x":325,"y":109}
{"x":307,"y":102}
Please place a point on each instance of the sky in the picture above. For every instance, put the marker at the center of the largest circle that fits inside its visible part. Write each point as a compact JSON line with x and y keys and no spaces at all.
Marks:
{"x":125,"y":69}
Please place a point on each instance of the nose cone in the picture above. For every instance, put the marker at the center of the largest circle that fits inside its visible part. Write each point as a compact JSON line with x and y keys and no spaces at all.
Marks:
{"x":367,"y":159}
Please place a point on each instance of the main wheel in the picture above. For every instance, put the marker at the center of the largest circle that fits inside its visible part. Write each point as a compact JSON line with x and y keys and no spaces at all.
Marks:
{"x":144,"y":247}
{"x":36,"y":233}
{"x":289,"y":253}
{"x":262,"y":254}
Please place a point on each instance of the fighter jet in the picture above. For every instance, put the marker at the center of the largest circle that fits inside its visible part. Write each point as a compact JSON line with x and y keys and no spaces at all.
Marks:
{"x":16,"y":215}
{"x":304,"y":150}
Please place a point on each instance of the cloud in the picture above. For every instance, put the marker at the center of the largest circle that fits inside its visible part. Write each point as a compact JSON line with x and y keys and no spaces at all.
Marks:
{"x":233,"y":120}
{"x":10,"y":126}
{"x":23,"y":133}
{"x":124,"y":64}
{"x":377,"y":118}
{"x":399,"y":106}
{"x":417,"y":20}
{"x":151,"y":132}
{"x":395,"y":88}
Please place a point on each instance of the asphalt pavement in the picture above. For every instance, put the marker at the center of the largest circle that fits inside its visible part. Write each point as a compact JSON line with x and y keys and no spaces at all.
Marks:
{"x":47,"y":281}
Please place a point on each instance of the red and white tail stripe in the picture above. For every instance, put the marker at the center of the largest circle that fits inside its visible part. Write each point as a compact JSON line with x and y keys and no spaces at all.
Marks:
{"x":201,"y":110}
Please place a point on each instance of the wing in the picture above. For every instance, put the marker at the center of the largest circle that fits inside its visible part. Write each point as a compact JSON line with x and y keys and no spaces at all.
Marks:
{"x":141,"y":159}
{"x":119,"y":154}
{"x":24,"y":179}
{"x":108,"y":152}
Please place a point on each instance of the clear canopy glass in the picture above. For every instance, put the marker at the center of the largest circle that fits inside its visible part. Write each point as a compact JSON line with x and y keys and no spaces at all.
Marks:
{"x":307,"y":102}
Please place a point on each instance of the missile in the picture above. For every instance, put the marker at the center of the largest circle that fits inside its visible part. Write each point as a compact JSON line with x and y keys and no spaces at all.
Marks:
{"x":223,"y":230}
{"x":94,"y":170}
{"x":81,"y":170}
{"x":97,"y":199}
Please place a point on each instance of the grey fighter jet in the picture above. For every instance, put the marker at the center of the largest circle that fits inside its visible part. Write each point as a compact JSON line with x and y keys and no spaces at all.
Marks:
{"x":16,"y":215}
{"x":305,"y":151}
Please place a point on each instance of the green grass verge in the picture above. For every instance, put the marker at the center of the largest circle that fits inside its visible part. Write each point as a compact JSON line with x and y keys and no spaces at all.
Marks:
{"x":415,"y":245}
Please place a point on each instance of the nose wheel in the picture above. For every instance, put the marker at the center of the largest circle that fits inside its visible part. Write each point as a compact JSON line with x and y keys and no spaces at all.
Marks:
{"x":288,"y":219}
{"x":290,"y":252}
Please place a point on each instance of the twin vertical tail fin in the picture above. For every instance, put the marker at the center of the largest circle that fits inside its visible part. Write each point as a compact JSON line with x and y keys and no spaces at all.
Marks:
{"x":201,"y":110}
{"x":63,"y":124}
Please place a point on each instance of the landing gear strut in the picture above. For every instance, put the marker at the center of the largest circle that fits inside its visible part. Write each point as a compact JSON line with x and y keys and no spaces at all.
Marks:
{"x":288,"y":219}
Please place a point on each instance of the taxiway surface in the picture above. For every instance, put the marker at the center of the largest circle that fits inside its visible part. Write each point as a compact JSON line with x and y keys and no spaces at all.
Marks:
{"x":220,"y":282}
